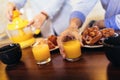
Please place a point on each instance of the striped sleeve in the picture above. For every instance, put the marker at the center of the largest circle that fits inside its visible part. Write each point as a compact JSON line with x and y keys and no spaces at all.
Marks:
{"x":81,"y":8}
{"x":113,"y":22}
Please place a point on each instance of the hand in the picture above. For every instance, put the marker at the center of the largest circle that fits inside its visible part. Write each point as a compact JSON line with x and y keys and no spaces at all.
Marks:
{"x":100,"y":24}
{"x":38,"y":20}
{"x":90,"y":24}
{"x":10,"y":8}
{"x":70,"y":34}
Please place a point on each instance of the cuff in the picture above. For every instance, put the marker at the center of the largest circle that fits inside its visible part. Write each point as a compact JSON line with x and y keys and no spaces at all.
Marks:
{"x":79,"y":15}
{"x":110,"y":23}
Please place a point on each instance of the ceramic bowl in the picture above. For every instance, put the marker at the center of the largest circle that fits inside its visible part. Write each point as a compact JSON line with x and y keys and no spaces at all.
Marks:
{"x":112,"y":49}
{"x":10,"y":53}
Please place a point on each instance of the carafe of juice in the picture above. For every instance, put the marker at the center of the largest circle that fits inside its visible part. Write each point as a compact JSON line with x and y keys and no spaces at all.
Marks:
{"x":18,"y":31}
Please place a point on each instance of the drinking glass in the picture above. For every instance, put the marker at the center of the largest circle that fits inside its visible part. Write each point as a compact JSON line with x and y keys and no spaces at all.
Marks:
{"x":72,"y":50}
{"x":41,"y":53}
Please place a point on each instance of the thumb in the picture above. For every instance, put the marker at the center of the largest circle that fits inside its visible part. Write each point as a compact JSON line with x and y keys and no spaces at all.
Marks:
{"x":62,"y":52}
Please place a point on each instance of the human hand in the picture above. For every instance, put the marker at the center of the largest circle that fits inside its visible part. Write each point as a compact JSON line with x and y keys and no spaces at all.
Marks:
{"x":70,"y":34}
{"x":10,"y":8}
{"x":38,"y":20}
{"x":100,"y":24}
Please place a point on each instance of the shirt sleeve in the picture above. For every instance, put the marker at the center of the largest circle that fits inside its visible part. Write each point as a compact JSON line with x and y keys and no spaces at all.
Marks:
{"x":113,"y":22}
{"x":53,"y":7}
{"x":19,"y":3}
{"x":81,"y":8}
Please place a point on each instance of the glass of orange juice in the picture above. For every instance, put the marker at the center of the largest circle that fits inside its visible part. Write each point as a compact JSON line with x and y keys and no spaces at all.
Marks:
{"x":41,"y":53}
{"x":72,"y":50}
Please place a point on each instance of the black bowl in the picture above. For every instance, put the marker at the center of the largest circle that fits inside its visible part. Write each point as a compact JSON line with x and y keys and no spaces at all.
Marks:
{"x":112,"y":49}
{"x":10,"y":53}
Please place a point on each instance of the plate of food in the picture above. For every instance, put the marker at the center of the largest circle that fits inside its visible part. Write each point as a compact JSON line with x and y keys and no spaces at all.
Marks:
{"x":92,"y":37}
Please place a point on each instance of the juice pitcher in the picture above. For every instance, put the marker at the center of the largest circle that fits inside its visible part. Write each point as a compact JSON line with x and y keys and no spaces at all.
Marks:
{"x":18,"y":31}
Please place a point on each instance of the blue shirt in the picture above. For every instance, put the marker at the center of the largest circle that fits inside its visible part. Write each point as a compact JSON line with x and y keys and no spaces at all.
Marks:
{"x":112,"y":14}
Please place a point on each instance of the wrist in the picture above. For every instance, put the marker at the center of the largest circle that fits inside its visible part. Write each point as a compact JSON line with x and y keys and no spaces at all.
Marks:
{"x":45,"y":14}
{"x":75,"y":23}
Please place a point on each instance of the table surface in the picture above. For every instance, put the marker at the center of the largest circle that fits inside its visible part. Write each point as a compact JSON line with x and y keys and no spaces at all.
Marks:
{"x":93,"y":65}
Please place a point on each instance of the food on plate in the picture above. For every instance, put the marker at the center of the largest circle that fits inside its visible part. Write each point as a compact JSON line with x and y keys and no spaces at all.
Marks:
{"x":94,"y":35}
{"x":107,"y":32}
{"x":91,"y":35}
{"x":53,"y":39}
{"x":50,"y":44}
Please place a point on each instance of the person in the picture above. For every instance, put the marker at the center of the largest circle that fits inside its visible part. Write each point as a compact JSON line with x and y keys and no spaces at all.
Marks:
{"x":112,"y":10}
{"x":67,"y":16}
{"x":81,"y":10}
{"x":54,"y":12}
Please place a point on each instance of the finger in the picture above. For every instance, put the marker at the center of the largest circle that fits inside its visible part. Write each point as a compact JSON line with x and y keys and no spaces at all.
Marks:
{"x":9,"y":14}
{"x":31,"y":23}
{"x":62,"y":52}
{"x":11,"y":9}
{"x":76,"y":35}
{"x":9,"y":17}
{"x":81,"y":44}
{"x":36,"y":25}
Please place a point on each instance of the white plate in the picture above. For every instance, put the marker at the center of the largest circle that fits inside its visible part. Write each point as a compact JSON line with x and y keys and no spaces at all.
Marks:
{"x":54,"y":48}
{"x":93,"y":46}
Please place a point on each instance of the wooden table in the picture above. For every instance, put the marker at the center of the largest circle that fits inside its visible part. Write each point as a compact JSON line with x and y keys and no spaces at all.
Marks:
{"x":93,"y":65}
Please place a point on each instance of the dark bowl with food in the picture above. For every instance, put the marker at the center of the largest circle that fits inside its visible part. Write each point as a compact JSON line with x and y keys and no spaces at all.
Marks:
{"x":10,"y":54}
{"x":112,"y":49}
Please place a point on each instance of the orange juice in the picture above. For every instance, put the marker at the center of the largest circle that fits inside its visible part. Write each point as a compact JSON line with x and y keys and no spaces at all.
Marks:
{"x":20,"y":37}
{"x":24,"y":39}
{"x":41,"y":53}
{"x":72,"y":49}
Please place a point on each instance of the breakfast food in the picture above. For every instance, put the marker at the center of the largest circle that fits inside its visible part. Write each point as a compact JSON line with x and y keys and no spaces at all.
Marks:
{"x":91,"y":35}
{"x":107,"y":32}
{"x":50,"y":44}
{"x":94,"y":35}
{"x":53,"y":39}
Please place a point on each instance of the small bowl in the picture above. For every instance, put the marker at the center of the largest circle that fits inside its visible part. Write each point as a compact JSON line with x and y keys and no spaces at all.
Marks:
{"x":10,"y":54}
{"x":112,"y":49}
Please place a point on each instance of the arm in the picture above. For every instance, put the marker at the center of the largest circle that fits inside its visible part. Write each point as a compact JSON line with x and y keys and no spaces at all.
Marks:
{"x":113,"y":22}
{"x":81,"y":9}
{"x":18,"y":3}
{"x":49,"y":11}
{"x":53,"y":7}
